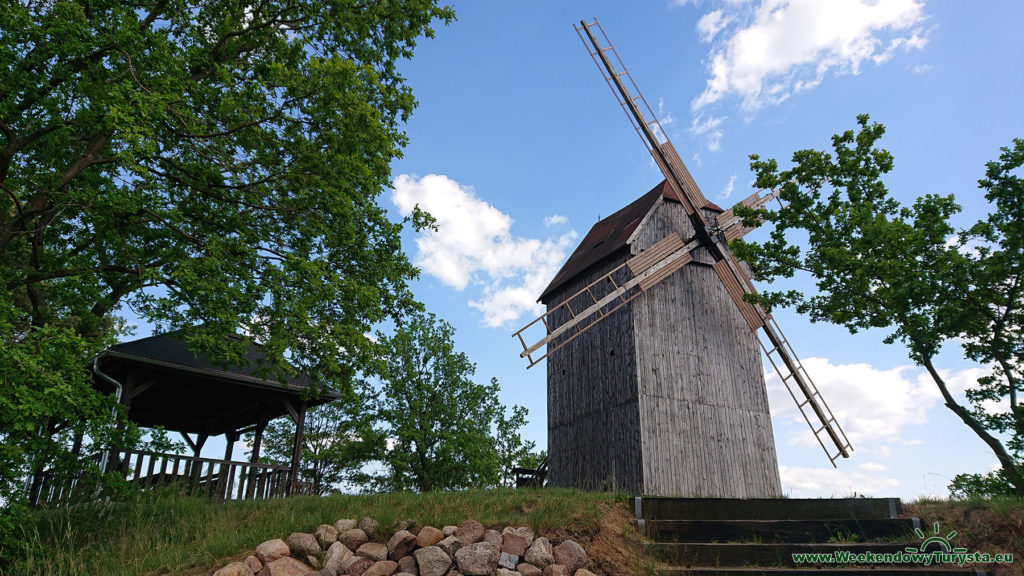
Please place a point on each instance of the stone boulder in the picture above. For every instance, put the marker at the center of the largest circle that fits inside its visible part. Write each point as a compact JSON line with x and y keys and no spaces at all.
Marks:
{"x":450,"y":545}
{"x":336,"y":556}
{"x":345,"y":524}
{"x":477,"y":559}
{"x":400,"y":544}
{"x":369,"y":525}
{"x":432,"y":561}
{"x":285,"y":567}
{"x":513,"y":543}
{"x":493,"y":536}
{"x":358,"y":565}
{"x":449,"y":530}
{"x":408,"y":565}
{"x":374,"y":551}
{"x":411,"y":526}
{"x":556,"y":570}
{"x":353,"y":538}
{"x":524,"y":532}
{"x":569,"y":554}
{"x":539,"y":553}
{"x":429,"y":536}
{"x":235,"y":569}
{"x":470,"y":532}
{"x":584,"y":572}
{"x":505,"y":572}
{"x":507,"y":561}
{"x":271,"y":550}
{"x":326,"y":535}
{"x":528,"y":569}
{"x":382,"y":568}
{"x":253,"y":563}
{"x":302,"y":544}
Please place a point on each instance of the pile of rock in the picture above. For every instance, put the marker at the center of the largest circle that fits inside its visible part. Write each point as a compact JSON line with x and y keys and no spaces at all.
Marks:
{"x":347,"y":548}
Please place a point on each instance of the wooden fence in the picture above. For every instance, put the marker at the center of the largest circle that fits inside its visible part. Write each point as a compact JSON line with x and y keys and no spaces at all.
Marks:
{"x":223,"y":479}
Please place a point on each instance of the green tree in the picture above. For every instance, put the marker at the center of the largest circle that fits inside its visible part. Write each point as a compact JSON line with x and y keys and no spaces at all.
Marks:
{"x":213,"y":163}
{"x":878,"y":264}
{"x":337,"y":441}
{"x":510,"y":448}
{"x":443,"y":431}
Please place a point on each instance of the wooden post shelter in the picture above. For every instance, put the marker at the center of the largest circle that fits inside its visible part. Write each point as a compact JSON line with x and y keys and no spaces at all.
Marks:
{"x":161,"y":382}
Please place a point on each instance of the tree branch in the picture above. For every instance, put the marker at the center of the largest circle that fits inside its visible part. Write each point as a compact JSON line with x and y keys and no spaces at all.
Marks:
{"x":1007,"y":462}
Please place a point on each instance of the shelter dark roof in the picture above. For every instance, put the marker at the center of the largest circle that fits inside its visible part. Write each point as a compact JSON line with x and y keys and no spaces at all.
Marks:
{"x":608,"y":237}
{"x":184,"y":391}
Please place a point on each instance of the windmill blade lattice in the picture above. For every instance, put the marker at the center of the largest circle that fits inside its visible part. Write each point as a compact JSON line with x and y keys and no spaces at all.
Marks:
{"x":657,"y":266}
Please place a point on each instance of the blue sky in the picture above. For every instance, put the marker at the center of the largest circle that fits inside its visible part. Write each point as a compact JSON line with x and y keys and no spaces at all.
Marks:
{"x":518,"y":147}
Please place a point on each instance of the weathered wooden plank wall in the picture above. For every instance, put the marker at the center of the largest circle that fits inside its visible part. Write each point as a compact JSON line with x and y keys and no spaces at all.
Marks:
{"x":593,"y":412}
{"x":705,"y":426}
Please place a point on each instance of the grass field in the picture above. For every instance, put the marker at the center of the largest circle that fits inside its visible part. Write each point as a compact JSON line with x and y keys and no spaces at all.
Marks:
{"x":167,"y":533}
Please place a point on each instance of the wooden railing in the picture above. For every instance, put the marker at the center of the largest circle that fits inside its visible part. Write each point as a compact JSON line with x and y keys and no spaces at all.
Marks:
{"x":223,"y":479}
{"x":531,"y":477}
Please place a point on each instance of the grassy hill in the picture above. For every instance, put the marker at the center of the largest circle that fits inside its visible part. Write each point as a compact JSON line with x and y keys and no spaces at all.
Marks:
{"x":165,"y":533}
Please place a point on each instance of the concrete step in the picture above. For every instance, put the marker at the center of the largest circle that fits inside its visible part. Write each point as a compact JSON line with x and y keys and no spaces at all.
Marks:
{"x":776,"y":531}
{"x":658,"y":508}
{"x":824,"y":571}
{"x":770,"y":554}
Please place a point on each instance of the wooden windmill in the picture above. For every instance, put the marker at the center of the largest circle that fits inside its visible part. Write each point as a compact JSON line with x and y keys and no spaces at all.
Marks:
{"x":656,"y":385}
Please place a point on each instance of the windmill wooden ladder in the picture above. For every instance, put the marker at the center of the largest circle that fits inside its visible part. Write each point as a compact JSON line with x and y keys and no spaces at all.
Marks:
{"x":673,"y":252}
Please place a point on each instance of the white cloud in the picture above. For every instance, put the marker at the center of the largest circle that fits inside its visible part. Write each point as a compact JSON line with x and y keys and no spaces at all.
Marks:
{"x":555,"y":219}
{"x":664,"y":117}
{"x":711,"y":24}
{"x":727,"y":190}
{"x":709,"y":127}
{"x":921,"y":68}
{"x":474,"y":245}
{"x":815,"y":482}
{"x":782,"y":47}
{"x":872,"y":405}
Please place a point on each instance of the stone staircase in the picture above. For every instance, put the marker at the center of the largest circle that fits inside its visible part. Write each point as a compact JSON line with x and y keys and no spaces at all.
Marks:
{"x":732,"y":537}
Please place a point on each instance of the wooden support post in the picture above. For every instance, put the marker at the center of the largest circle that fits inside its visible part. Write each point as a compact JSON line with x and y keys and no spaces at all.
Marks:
{"x":300,"y":425}
{"x":226,"y":476}
{"x":257,"y":442}
{"x":127,"y":390}
{"x":200,"y":441}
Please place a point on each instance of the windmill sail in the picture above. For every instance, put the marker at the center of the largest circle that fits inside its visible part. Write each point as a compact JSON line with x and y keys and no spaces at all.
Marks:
{"x":593,"y":304}
{"x":812,"y":406}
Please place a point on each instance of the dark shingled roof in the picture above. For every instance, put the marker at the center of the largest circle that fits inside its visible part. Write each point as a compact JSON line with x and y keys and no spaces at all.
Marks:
{"x":172,"y":350}
{"x":608,"y":237}
{"x":188,"y":392}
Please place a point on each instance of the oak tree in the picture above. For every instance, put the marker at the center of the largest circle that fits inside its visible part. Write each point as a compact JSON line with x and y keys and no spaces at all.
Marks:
{"x":199,"y":163}
{"x":442,"y":430}
{"x":879,"y":264}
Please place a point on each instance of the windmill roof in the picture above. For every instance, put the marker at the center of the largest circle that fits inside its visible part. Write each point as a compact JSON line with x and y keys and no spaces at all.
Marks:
{"x":608,"y":238}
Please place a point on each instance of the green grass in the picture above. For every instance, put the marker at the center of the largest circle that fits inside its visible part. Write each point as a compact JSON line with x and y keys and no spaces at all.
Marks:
{"x":982,"y":524}
{"x":167,"y":533}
